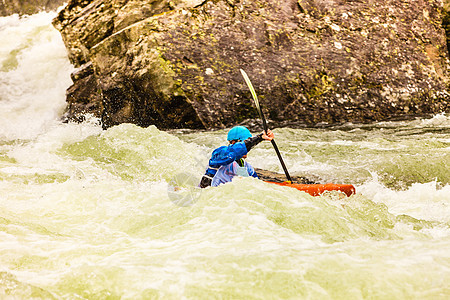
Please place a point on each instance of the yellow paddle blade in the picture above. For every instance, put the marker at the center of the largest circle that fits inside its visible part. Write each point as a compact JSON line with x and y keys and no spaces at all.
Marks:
{"x":252,"y":90}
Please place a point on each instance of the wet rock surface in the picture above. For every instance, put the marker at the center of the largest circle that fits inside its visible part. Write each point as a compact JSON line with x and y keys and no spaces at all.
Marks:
{"x":175,"y":64}
{"x":28,"y":7}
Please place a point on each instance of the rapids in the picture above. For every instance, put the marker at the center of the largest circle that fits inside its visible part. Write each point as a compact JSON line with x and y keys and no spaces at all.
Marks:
{"x":93,"y":214}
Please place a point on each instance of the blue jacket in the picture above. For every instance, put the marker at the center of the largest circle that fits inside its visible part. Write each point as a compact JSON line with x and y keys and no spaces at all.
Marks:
{"x":226,"y":155}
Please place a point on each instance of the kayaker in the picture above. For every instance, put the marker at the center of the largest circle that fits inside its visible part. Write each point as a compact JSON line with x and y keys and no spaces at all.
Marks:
{"x":229,"y":161}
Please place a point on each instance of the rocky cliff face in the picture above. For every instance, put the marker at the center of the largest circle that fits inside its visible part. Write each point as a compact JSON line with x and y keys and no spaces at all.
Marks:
{"x":446,"y":21}
{"x":28,"y":7}
{"x":176,"y":63}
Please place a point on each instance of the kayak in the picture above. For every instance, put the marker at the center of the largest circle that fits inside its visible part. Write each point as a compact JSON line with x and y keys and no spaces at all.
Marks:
{"x":318,"y":189}
{"x":304,"y":184}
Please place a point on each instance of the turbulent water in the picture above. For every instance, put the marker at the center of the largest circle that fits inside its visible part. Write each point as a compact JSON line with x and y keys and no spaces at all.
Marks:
{"x":92,"y":214}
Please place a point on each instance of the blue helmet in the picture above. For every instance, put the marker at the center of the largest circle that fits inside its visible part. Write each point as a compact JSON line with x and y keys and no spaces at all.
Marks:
{"x":238,"y":133}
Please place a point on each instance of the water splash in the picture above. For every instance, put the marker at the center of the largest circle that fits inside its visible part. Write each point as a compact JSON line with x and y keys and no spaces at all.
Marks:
{"x":34,"y":74}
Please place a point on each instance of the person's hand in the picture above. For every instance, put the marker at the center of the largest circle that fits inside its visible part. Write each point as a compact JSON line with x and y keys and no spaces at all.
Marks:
{"x":268,"y":136}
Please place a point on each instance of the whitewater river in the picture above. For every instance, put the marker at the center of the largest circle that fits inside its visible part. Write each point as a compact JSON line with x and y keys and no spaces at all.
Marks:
{"x":92,"y":214}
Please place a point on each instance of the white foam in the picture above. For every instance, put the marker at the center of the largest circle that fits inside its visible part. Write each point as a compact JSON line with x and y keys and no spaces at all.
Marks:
{"x":427,"y":201}
{"x":34,"y":75}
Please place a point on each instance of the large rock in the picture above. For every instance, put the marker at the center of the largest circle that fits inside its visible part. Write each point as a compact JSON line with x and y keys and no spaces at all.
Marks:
{"x":176,"y":63}
{"x":446,"y":21}
{"x":28,"y":7}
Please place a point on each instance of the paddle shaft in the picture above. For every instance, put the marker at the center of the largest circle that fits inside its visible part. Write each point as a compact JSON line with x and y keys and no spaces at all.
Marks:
{"x":274,"y":145}
{"x":261,"y":115}
{"x":281,"y":161}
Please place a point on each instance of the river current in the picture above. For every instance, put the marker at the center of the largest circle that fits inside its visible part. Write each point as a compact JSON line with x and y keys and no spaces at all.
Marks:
{"x":93,"y":214}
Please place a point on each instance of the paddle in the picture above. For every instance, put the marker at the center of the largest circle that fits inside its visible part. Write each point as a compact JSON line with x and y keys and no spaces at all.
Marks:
{"x":255,"y":98}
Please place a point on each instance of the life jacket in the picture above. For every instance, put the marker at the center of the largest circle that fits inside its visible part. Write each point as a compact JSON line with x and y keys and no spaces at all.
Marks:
{"x":241,"y":168}
{"x":236,"y":168}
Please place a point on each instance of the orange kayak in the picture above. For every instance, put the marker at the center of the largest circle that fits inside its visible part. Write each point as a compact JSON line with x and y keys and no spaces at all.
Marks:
{"x":318,"y":189}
